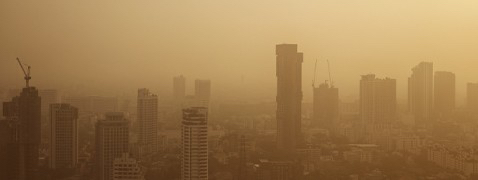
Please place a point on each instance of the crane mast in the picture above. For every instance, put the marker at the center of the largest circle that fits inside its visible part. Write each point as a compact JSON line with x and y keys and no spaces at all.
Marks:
{"x":26,"y":73}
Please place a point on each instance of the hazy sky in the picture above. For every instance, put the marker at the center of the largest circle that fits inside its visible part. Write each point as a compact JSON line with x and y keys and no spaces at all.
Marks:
{"x":118,"y":46}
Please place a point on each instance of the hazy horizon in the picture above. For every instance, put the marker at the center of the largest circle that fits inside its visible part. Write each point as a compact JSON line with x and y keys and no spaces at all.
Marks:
{"x":118,"y":46}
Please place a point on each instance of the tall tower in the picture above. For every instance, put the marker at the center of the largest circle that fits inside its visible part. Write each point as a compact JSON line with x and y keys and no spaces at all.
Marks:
{"x":326,"y":105}
{"x":24,"y":116}
{"x":472,"y":97}
{"x":148,"y":121}
{"x":194,"y":163}
{"x":111,"y":142}
{"x":179,"y":87}
{"x":444,"y":92}
{"x":64,"y":136}
{"x":289,"y":96}
{"x":420,"y":93}
{"x":202,"y":89}
{"x":378,"y":100}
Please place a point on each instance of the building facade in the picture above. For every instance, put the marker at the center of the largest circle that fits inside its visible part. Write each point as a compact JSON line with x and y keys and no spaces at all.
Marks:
{"x":64,"y":136}
{"x":420,"y":93}
{"x":289,"y":96}
{"x":194,"y":149}
{"x":326,"y":106}
{"x":147,"y":113}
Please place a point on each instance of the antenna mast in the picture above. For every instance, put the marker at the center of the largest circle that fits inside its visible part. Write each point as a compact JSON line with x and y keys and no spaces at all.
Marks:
{"x":26,"y":73}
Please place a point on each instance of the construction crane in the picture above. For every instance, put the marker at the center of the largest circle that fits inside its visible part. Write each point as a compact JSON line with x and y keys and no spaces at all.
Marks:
{"x":27,"y":73}
{"x":330,"y":77}
{"x":315,"y":74}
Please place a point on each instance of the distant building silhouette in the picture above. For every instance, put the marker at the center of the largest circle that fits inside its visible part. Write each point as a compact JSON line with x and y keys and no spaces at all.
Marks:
{"x":194,"y":137}
{"x":126,"y":168}
{"x":325,"y":106}
{"x":111,"y":142}
{"x":179,"y":87}
{"x":444,"y":93}
{"x":289,"y":96}
{"x":378,"y":99}
{"x":23,"y":133}
{"x":147,"y":113}
{"x":202,"y":89}
{"x":472,"y":97}
{"x":64,"y":136}
{"x":48,"y":96}
{"x":420,"y":93}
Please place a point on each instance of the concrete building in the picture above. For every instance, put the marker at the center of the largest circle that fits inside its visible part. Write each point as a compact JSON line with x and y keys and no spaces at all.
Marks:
{"x":472,"y":97}
{"x":64,"y":136}
{"x":325,"y":106}
{"x":179,"y":87}
{"x":147,"y":116}
{"x":194,"y":149}
{"x":444,"y":93}
{"x":23,"y":132}
{"x":111,"y":142}
{"x":202,"y":89}
{"x":378,"y":100}
{"x":420,"y":93}
{"x":289,"y":96}
{"x":126,"y":168}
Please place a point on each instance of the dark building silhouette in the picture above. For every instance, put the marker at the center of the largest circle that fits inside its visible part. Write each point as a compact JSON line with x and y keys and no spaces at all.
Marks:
{"x":147,"y":117}
{"x":472,"y":97}
{"x":111,"y":142}
{"x":444,"y":93}
{"x":22,"y":132}
{"x":289,"y":96}
{"x":325,"y":106}
{"x":179,"y":87}
{"x":420,"y":93}
{"x":202,"y":89}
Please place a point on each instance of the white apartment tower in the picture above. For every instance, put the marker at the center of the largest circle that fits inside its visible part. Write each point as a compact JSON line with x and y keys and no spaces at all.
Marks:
{"x":194,"y":163}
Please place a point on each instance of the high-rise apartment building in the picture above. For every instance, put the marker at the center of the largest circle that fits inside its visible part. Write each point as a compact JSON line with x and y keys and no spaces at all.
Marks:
{"x":289,"y":96}
{"x":472,"y":97}
{"x":194,"y":149}
{"x":148,"y":121}
{"x":202,"y":89}
{"x":126,"y":168}
{"x":23,"y":116}
{"x":444,"y":93}
{"x":325,"y":106}
{"x":64,"y":136}
{"x":179,"y":87}
{"x":111,"y":142}
{"x":378,"y":100}
{"x":420,"y":93}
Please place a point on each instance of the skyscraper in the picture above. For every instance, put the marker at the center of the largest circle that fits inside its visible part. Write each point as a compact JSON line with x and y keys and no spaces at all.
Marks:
{"x":23,"y":115}
{"x":111,"y":142}
{"x":194,"y":162}
{"x":179,"y":87}
{"x":420,"y":93}
{"x":64,"y":136}
{"x":472,"y":97}
{"x":326,"y":105}
{"x":202,"y":89}
{"x":444,"y":92}
{"x":378,"y":100}
{"x":289,"y":96}
{"x":148,"y":121}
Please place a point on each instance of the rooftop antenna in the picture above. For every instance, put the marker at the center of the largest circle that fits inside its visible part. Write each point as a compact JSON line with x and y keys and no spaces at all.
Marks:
{"x":330,"y":76}
{"x":27,"y":73}
{"x":315,"y":74}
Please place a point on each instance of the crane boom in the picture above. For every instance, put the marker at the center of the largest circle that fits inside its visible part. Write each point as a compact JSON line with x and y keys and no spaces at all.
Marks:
{"x":26,"y":73}
{"x":330,"y":77}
